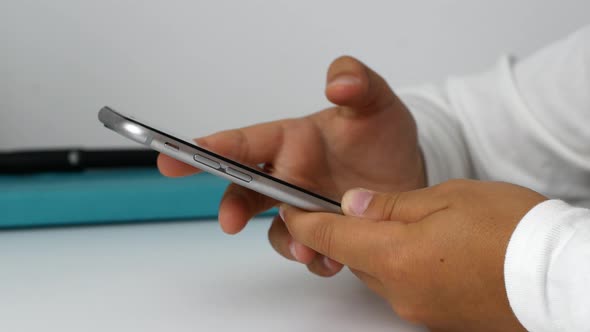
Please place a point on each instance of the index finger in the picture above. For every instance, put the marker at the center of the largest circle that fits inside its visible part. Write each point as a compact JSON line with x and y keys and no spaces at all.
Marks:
{"x":361,"y":244}
{"x":171,"y":167}
{"x":249,"y":145}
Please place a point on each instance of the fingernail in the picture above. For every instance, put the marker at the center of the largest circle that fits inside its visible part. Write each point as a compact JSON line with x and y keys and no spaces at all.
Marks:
{"x":329,"y":263}
{"x":202,"y":143}
{"x":344,"y":80}
{"x":282,"y":212}
{"x":358,"y":200}
{"x":293,"y":250}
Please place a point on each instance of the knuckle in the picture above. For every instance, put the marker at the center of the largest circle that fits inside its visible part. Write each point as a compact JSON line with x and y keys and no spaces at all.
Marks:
{"x":323,"y":237}
{"x":454,"y":184}
{"x":445,"y":187}
{"x":448,"y":188}
{"x":459,"y":191}
{"x":242,"y":146}
{"x":391,"y":206}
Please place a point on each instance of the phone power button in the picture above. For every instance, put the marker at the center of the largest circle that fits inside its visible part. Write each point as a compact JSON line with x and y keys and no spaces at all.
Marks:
{"x":238,"y":174}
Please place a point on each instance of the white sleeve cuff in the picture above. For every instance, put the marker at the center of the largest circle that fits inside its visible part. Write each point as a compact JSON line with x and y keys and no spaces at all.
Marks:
{"x":547,"y":268}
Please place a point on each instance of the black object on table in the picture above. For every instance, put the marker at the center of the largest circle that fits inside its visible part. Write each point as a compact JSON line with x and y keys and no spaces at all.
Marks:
{"x":73,"y":160}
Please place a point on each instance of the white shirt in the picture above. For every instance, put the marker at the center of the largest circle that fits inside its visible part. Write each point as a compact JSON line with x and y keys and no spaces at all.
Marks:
{"x":526,"y":122}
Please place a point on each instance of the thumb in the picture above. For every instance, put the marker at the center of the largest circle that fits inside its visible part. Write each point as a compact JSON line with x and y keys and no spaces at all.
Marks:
{"x":351,"y":83}
{"x":410,"y":206}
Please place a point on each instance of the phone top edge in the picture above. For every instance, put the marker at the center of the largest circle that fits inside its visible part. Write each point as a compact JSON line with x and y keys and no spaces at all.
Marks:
{"x":108,"y":116}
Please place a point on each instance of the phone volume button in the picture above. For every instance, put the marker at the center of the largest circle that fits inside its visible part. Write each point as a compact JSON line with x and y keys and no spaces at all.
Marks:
{"x":237,"y":174}
{"x":206,"y":161}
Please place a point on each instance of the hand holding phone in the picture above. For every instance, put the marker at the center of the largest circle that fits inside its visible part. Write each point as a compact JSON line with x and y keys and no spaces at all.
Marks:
{"x":368,"y":140}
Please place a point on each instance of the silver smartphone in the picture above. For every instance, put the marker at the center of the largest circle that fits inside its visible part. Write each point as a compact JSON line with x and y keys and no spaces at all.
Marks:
{"x":210,"y":162}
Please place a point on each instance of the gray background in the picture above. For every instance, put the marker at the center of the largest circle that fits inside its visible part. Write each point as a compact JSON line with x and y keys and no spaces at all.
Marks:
{"x":200,"y":66}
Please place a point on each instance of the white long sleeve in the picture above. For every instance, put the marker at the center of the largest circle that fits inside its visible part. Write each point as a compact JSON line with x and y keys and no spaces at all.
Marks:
{"x":547,"y":268}
{"x":526,"y":122}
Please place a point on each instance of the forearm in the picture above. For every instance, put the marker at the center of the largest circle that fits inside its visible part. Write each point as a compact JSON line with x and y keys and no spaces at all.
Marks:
{"x":523,"y":122}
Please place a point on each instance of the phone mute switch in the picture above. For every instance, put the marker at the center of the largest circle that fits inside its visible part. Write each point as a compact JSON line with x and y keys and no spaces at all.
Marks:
{"x":206,"y":161}
{"x":237,"y":174}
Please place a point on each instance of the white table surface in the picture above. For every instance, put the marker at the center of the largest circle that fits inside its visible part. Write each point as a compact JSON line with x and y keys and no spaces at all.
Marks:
{"x":177,"y":276}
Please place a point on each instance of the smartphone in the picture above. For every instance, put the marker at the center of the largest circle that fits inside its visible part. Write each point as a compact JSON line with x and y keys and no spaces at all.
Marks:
{"x":208,"y":161}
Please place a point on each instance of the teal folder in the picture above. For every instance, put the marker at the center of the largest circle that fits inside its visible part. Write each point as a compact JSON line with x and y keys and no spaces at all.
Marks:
{"x":106,"y":196}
